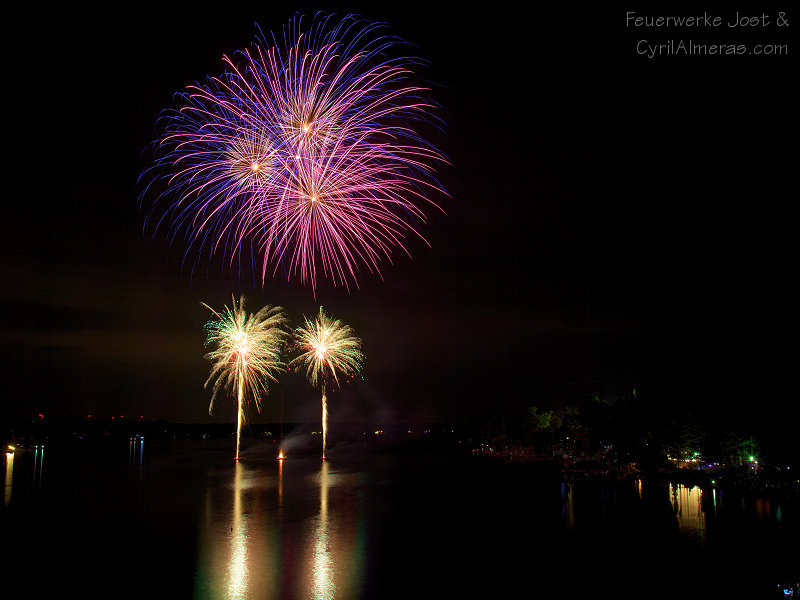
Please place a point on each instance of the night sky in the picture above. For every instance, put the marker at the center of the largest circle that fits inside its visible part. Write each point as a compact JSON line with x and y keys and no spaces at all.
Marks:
{"x":615,"y":221}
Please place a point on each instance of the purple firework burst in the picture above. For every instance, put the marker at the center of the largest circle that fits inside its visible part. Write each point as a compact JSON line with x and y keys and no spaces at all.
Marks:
{"x":304,"y":156}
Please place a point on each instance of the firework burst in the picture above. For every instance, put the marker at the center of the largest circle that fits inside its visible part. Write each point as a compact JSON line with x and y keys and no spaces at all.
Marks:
{"x":247,"y":353}
{"x":304,"y":156}
{"x":328,"y":351}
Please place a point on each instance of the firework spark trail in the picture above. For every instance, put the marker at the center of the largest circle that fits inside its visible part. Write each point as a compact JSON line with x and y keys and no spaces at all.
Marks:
{"x":307,"y":152}
{"x":247,"y":353}
{"x":328,"y":350}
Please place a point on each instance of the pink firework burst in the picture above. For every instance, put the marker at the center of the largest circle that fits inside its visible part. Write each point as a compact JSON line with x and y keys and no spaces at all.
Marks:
{"x":304,"y":157}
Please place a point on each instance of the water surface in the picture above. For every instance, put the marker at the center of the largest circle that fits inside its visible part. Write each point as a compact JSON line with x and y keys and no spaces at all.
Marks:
{"x":183,"y":520}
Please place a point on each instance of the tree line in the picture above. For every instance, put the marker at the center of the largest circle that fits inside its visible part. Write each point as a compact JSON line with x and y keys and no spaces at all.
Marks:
{"x":650,"y":431}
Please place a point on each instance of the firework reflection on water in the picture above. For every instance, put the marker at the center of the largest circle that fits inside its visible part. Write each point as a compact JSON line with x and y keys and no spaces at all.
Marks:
{"x":264,"y":536}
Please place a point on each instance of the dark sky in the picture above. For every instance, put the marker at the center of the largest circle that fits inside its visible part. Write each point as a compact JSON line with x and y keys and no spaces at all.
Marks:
{"x":616,"y":221}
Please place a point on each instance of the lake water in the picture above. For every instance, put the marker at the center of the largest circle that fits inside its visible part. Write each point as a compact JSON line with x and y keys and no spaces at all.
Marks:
{"x":183,"y":520}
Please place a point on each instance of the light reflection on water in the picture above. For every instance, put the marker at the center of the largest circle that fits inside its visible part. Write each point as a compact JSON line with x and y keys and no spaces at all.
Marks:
{"x":237,"y":561}
{"x":250,"y":547}
{"x":36,"y":470}
{"x":38,"y":465}
{"x":9,"y":477}
{"x":693,"y":508}
{"x":363,"y":527}
{"x":688,"y":509}
{"x":320,"y":560}
{"x":136,"y":450}
{"x":237,"y":555}
{"x":568,"y":506}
